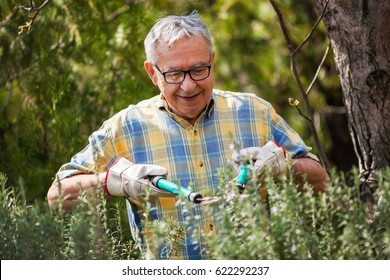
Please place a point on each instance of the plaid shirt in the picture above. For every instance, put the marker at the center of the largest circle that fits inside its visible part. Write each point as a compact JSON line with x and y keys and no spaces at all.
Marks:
{"x":149,"y":133}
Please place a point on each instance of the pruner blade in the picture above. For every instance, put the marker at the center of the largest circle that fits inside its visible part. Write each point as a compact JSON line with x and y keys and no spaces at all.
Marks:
{"x":208,"y":200}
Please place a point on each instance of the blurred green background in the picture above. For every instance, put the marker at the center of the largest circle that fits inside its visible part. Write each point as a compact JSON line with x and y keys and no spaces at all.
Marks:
{"x":83,"y":61}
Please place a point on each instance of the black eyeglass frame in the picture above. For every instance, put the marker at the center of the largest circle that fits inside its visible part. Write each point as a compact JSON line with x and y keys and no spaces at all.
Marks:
{"x":185,"y":73}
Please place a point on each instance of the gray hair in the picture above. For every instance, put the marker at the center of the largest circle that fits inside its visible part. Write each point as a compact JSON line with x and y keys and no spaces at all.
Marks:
{"x":169,"y":29}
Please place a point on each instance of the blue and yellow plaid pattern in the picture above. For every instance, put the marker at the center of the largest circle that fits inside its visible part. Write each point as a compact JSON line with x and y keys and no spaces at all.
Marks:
{"x":149,"y":133}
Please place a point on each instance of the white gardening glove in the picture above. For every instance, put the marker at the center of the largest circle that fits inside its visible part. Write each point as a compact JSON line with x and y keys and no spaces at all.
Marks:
{"x":125,"y":178}
{"x":271,"y":156}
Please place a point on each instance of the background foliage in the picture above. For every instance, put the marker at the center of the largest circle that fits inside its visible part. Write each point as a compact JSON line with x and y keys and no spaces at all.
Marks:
{"x":83,"y":61}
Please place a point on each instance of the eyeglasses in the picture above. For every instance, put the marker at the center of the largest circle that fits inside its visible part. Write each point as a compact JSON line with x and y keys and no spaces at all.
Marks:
{"x":176,"y":77}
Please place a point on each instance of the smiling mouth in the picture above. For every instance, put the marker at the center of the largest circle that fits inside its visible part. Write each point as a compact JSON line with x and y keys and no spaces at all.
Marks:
{"x":189,"y":98}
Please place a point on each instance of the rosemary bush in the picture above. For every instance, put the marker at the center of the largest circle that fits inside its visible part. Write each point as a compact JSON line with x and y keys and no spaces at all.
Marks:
{"x":94,"y":230}
{"x":295,"y":225}
{"x":289,"y":225}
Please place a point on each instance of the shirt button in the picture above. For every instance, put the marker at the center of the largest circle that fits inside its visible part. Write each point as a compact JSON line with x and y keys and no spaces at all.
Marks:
{"x":201,"y":163}
{"x":195,"y":132}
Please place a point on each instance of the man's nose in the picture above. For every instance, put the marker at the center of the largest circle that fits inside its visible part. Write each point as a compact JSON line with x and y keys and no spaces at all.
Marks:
{"x":188,"y":84}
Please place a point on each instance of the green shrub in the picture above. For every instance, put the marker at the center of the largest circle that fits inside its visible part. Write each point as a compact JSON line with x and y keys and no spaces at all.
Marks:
{"x":291,"y":225}
{"x":294,"y":225}
{"x":93,"y":230}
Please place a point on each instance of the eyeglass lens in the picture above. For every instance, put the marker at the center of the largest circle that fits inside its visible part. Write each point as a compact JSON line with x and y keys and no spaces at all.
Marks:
{"x":197,"y":74}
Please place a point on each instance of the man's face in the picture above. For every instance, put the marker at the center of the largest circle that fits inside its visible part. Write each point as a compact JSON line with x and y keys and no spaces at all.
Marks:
{"x":188,"y":98}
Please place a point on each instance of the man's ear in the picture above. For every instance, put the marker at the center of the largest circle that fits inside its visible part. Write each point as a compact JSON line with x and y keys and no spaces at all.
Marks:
{"x":151,"y":71}
{"x":212,"y":58}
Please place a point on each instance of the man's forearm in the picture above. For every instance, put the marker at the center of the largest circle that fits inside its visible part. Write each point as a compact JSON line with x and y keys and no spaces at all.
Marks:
{"x":69,"y":189}
{"x":312,"y":170}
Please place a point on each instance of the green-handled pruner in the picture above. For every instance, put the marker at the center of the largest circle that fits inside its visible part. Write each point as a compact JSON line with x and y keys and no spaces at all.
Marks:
{"x":241,"y":181}
{"x":195,"y":197}
{"x":242,"y":177}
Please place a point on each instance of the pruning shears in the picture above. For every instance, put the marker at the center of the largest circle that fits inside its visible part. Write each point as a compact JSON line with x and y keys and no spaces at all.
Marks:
{"x":195,"y":197}
{"x":242,"y":179}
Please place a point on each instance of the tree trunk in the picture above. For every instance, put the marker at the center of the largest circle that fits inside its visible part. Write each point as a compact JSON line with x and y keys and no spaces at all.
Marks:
{"x":359,"y":32}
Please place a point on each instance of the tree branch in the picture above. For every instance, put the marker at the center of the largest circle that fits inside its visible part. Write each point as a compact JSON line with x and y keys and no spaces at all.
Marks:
{"x":33,"y":7}
{"x":312,"y":29}
{"x":292,"y":53}
{"x":318,"y":69}
{"x":36,"y":11}
{"x":283,"y":27}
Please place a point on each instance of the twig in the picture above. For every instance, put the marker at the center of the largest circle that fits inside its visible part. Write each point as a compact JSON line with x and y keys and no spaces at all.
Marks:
{"x":312,"y":29}
{"x":303,"y":115}
{"x":318,"y":69}
{"x":294,"y":103}
{"x":8,"y":98}
{"x":118,"y":12}
{"x":36,"y":10}
{"x":283,"y":27}
{"x":294,"y":70}
{"x":8,"y":17}
{"x":33,"y":7}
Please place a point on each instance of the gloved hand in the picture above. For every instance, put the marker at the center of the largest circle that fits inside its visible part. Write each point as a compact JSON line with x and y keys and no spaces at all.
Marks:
{"x":125,"y":178}
{"x":271,"y":156}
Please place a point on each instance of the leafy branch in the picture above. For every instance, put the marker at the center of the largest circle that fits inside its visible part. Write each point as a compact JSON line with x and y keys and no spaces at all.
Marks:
{"x":304,"y":93}
{"x":31,"y":8}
